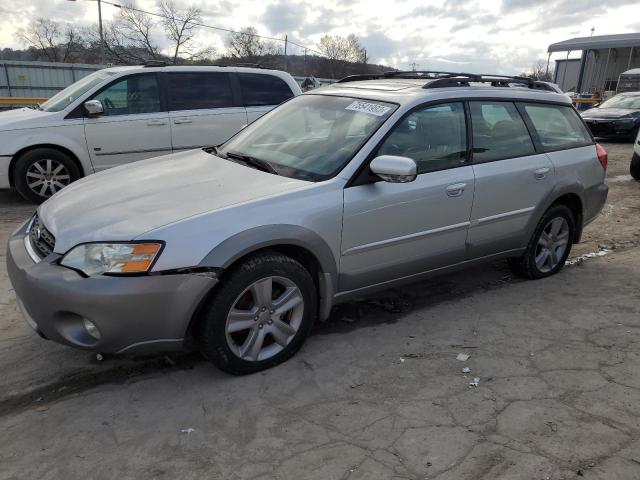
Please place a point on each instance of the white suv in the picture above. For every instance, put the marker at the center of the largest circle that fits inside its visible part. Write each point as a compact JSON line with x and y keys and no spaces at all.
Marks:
{"x":123,"y":114}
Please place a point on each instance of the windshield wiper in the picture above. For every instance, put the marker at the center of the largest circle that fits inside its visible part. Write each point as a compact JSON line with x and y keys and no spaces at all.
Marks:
{"x":214,"y":150}
{"x":253,"y":162}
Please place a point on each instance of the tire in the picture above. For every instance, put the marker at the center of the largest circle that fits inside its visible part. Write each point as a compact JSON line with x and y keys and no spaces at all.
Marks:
{"x":41,"y":172}
{"x":550,"y":263}
{"x":634,"y":168}
{"x":256,"y":322}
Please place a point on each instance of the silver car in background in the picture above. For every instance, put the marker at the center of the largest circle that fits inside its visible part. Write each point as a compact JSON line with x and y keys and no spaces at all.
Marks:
{"x":337,"y":193}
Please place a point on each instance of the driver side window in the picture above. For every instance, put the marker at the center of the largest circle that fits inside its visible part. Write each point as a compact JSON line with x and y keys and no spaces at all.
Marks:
{"x":132,"y":95}
{"x":435,"y":137}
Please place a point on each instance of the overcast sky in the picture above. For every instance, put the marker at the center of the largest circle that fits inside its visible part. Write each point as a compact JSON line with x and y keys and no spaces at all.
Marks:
{"x":497,"y":36}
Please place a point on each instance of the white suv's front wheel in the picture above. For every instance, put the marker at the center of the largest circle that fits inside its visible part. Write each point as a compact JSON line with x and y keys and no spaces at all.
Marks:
{"x":259,"y":316}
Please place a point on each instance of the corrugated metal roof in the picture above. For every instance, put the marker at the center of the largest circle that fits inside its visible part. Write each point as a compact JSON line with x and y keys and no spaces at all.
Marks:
{"x":593,"y":43}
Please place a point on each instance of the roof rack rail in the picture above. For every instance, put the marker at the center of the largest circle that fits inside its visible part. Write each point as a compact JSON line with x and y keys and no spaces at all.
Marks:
{"x":464,"y":79}
{"x":407,"y":74}
{"x":438,"y":79}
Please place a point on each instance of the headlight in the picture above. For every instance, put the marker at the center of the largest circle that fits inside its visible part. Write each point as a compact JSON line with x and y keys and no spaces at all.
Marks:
{"x":112,"y":258}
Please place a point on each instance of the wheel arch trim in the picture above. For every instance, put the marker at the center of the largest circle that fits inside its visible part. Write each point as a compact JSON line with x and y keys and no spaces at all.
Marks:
{"x":561,"y":190}
{"x":66,"y":150}
{"x":258,"y":238}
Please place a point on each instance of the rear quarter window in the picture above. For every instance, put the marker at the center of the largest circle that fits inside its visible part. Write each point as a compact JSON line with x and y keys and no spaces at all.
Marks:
{"x":558,"y":126}
{"x":259,"y":89}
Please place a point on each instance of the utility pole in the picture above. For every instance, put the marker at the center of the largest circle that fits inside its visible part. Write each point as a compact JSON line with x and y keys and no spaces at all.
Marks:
{"x":413,"y":66}
{"x":286,"y":41}
{"x":100,"y":27}
{"x":101,"y":34}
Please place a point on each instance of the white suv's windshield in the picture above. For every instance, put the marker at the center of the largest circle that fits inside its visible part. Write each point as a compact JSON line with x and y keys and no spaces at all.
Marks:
{"x":63,"y":99}
{"x":311,"y":137}
{"x":623,"y":101}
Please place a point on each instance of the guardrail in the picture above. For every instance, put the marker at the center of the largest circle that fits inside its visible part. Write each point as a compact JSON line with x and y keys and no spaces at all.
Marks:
{"x":18,"y":101}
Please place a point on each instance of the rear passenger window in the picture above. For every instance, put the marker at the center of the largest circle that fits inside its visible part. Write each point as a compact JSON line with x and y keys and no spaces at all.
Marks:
{"x":558,"y":126}
{"x":498,"y":132}
{"x":199,"y":90}
{"x":435,"y":137}
{"x":260,"y":89}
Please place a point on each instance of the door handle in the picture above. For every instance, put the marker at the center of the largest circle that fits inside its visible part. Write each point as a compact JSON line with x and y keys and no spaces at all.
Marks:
{"x":156,"y":123}
{"x":456,"y":189}
{"x":180,"y":121}
{"x":541,"y":173}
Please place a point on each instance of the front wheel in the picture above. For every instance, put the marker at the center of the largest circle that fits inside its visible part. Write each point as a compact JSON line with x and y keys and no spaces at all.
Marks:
{"x":259,"y":316}
{"x":42,"y":172}
{"x":549,"y":246}
{"x":634,"y":168}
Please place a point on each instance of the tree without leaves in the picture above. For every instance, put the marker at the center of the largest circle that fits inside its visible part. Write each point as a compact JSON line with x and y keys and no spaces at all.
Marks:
{"x":246,"y":44}
{"x":52,"y":41}
{"x":180,"y":28}
{"x":347,"y":49}
{"x":538,"y":72}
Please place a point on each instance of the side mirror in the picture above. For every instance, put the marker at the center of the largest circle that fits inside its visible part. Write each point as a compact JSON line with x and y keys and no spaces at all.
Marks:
{"x":394,"y":169}
{"x":94,"y":107}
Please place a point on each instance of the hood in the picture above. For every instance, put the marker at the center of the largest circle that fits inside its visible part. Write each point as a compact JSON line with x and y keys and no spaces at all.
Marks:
{"x":607,"y":112}
{"x":25,"y":118}
{"x":127,"y":201}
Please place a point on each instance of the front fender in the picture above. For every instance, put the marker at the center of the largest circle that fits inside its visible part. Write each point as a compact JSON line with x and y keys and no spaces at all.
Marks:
{"x":253,"y":239}
{"x":70,"y":137}
{"x":256,"y":238}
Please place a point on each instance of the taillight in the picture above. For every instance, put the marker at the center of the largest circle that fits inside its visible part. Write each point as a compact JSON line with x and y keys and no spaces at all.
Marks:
{"x":602,"y":155}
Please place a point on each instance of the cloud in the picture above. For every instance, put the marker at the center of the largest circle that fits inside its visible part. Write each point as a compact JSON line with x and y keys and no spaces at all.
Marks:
{"x":284,"y":16}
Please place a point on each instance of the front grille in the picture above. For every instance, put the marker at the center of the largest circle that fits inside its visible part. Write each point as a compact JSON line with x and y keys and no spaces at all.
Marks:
{"x":41,"y":239}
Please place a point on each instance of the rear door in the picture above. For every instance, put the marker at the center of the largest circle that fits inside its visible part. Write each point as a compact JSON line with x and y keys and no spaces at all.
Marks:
{"x":134,"y":125}
{"x":395,"y":230}
{"x":261,"y":92}
{"x":202,"y":109}
{"x":512,"y":178}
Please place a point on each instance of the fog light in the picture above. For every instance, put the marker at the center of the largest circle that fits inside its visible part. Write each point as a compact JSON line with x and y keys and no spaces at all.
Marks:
{"x":91,"y":329}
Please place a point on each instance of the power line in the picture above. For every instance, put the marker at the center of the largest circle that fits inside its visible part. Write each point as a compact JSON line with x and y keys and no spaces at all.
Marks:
{"x":203,"y":25}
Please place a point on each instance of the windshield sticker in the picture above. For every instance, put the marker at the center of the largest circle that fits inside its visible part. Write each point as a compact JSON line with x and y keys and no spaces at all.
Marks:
{"x":366,"y":107}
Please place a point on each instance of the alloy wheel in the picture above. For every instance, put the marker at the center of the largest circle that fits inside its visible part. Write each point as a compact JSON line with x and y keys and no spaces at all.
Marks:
{"x":552,"y":244}
{"x":264,"y":318}
{"x":47,"y":176}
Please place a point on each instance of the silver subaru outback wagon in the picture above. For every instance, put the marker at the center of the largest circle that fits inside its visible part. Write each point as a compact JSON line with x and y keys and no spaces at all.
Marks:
{"x":345,"y":190}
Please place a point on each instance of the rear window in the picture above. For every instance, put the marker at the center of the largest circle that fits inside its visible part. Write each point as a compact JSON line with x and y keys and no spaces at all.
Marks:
{"x":199,"y":90}
{"x":498,"y":132}
{"x":558,"y":127}
{"x":261,"y":89}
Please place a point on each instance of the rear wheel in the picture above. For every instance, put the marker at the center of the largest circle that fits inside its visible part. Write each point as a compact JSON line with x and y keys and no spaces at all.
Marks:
{"x":549,"y":246}
{"x":259,"y":316}
{"x":42,"y":172}
{"x":634,"y":168}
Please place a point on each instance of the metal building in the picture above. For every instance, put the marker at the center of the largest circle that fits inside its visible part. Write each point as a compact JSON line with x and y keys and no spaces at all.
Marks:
{"x":603,"y":59}
{"x":39,"y":79}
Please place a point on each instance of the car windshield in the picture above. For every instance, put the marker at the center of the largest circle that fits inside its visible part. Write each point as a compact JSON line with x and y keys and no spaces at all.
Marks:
{"x":623,"y":101}
{"x":311,"y":137}
{"x":64,"y":98}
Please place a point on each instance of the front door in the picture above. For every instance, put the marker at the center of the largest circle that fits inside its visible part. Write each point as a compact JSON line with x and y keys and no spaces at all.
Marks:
{"x":202,"y":109}
{"x":395,"y":230}
{"x":133,"y":125}
{"x":511,"y":178}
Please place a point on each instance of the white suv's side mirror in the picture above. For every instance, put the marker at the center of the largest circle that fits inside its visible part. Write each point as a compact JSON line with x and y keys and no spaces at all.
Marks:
{"x":94,"y":107}
{"x":394,"y":169}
